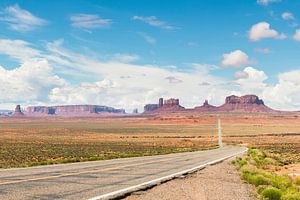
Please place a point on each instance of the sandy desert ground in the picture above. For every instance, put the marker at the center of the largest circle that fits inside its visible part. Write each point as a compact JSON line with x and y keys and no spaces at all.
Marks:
{"x":36,"y":141}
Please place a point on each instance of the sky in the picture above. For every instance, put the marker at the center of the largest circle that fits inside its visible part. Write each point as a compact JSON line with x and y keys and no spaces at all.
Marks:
{"x":127,"y":53}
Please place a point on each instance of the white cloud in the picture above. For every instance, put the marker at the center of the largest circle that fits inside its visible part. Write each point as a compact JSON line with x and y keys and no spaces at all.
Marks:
{"x":262,"y":30}
{"x":297,"y":35}
{"x":235,"y":58}
{"x":88,"y":21}
{"x":241,"y":75}
{"x":153,"y":21}
{"x":119,"y":84}
{"x":31,"y":82}
{"x":267,"y":2}
{"x":285,"y":94}
{"x":126,"y":85}
{"x":23,"y":51}
{"x":20,"y":20}
{"x":18,"y":49}
{"x":254,"y":82}
{"x":262,"y":50}
{"x":287,"y":16}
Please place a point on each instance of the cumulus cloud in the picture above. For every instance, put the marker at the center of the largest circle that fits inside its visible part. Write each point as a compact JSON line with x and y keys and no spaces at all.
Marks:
{"x":253,"y":81}
{"x":153,"y":21}
{"x":30,"y":82}
{"x":297,"y":35}
{"x":241,"y":75}
{"x":267,"y":2}
{"x":119,"y":83}
{"x":89,"y":21}
{"x":127,"y":85}
{"x":262,"y":30}
{"x":287,"y":16}
{"x":235,"y":58}
{"x":285,"y":94}
{"x":19,"y":19}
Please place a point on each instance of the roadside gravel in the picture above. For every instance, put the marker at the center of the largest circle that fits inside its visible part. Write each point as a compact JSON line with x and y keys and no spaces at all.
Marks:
{"x":217,"y":182}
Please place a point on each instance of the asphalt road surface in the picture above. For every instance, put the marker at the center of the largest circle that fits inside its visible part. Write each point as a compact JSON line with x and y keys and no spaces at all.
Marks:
{"x":91,"y":179}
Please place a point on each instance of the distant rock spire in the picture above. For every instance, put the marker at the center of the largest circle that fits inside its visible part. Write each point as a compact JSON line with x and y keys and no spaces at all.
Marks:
{"x":18,"y":112}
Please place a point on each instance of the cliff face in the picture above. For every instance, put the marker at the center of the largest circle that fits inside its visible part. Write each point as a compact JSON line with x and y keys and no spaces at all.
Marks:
{"x":247,"y":103}
{"x":71,"y":110}
{"x":247,"y":99}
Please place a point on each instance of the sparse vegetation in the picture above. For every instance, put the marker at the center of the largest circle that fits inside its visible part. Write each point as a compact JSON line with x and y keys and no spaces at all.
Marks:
{"x":37,"y":141}
{"x":258,"y":168}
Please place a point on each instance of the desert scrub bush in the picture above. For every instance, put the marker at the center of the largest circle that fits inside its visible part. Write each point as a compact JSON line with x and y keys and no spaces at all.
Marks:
{"x":291,"y":196}
{"x":297,"y":181}
{"x":271,"y":193}
{"x":256,"y":168}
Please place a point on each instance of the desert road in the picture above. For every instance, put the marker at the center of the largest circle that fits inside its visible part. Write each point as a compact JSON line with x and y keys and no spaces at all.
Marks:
{"x":103,"y":179}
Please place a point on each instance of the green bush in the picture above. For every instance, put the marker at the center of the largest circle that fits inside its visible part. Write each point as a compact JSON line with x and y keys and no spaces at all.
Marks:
{"x":271,"y":193}
{"x":261,"y":188}
{"x":297,"y":181}
{"x":240,"y":162}
{"x":281,"y":182}
{"x":255,"y":179}
{"x":292,"y":196}
{"x":257,"y":169}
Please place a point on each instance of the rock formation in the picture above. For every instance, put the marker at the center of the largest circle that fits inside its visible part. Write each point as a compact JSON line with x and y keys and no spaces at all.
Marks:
{"x":135,"y":111}
{"x":206,"y":107}
{"x":72,"y":110}
{"x":247,"y":103}
{"x":169,"y":105}
{"x":151,"y":107}
{"x":18,"y":112}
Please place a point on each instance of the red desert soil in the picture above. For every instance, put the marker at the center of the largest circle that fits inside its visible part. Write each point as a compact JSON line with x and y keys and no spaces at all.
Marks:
{"x":292,"y":170}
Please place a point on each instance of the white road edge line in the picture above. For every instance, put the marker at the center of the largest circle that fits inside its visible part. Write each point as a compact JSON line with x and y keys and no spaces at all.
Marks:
{"x":142,"y":186}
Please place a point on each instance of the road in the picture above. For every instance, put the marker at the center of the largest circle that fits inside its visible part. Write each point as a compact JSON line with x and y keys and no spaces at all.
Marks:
{"x":93,"y":179}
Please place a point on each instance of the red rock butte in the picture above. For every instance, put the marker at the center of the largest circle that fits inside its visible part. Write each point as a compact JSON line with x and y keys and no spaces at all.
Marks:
{"x":247,"y":103}
{"x":169,"y":105}
{"x":18,"y":112}
{"x":72,"y":110}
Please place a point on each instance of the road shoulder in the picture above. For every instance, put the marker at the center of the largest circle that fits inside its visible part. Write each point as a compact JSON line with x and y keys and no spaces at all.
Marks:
{"x":217,"y":182}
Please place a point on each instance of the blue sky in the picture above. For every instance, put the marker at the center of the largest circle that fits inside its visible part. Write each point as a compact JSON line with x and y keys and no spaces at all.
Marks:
{"x":127,"y":53}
